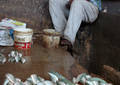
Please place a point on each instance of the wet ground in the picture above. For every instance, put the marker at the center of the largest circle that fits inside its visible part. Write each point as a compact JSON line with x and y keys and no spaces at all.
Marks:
{"x":40,"y":61}
{"x":106,"y":42}
{"x":103,"y":47}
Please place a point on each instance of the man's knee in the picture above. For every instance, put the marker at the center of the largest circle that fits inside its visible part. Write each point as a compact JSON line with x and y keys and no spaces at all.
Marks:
{"x":53,"y":1}
{"x":77,"y":4}
{"x":78,"y":1}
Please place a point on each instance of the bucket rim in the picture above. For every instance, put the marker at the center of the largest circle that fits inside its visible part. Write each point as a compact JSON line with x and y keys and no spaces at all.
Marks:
{"x":51,"y":32}
{"x":23,"y":30}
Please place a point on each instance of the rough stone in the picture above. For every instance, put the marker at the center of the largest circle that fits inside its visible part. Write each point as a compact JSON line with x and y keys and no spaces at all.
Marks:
{"x":34,"y":12}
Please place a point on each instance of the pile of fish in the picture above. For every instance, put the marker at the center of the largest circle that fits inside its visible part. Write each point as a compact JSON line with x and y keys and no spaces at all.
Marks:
{"x":14,"y":56}
{"x":56,"y":79}
{"x":2,"y":58}
{"x":85,"y":79}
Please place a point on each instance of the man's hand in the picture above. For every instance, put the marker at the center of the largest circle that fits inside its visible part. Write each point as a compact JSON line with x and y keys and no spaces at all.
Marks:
{"x":70,"y":1}
{"x":69,"y":4}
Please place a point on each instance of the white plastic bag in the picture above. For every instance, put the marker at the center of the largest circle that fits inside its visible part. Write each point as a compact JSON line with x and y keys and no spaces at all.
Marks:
{"x":12,"y":23}
{"x":5,"y":39}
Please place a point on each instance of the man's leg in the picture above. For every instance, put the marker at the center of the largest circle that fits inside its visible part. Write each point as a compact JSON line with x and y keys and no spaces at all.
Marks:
{"x":57,"y":8}
{"x":81,"y":10}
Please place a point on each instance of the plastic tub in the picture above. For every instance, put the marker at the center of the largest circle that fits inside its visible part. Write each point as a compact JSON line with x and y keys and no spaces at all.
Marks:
{"x":51,"y":38}
{"x":23,"y":37}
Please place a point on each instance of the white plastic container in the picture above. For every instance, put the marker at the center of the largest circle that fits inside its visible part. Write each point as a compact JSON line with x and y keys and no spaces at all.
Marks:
{"x":23,"y":37}
{"x":51,"y":38}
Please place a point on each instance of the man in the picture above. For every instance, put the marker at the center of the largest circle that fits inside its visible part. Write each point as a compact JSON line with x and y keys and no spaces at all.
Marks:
{"x":80,"y":10}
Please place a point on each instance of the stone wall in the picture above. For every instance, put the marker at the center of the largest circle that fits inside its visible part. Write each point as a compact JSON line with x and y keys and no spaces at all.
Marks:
{"x":34,"y":12}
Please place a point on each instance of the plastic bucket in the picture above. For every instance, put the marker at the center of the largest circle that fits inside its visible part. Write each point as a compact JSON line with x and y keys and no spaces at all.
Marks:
{"x":51,"y":38}
{"x":23,"y":38}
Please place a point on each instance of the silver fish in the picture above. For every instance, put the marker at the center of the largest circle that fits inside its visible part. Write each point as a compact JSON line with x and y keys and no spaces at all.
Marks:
{"x":10,"y":77}
{"x":82,"y":78}
{"x":28,"y":83}
{"x":17,"y":59}
{"x":54,"y":78}
{"x":20,"y":55}
{"x":41,"y":79}
{"x":18,"y":83}
{"x":2,"y":58}
{"x":47,"y":82}
{"x":40,"y":83}
{"x":23,"y":60}
{"x":34,"y":78}
{"x":6,"y":82}
{"x":60,"y":83}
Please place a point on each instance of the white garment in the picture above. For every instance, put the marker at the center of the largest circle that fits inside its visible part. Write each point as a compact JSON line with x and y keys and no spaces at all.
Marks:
{"x":81,"y":10}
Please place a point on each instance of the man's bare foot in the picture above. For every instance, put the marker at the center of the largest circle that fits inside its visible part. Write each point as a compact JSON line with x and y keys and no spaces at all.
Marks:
{"x":65,"y":42}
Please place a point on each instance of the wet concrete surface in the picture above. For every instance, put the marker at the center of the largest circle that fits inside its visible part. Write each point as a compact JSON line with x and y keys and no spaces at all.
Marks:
{"x":100,"y":45}
{"x":105,"y":43}
{"x":40,"y":61}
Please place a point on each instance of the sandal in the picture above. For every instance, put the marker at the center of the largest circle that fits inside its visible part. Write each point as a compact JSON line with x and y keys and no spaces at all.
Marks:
{"x":65,"y":42}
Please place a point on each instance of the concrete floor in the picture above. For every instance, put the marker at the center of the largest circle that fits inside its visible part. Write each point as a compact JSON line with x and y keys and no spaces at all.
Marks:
{"x":40,"y":61}
{"x":105,"y":43}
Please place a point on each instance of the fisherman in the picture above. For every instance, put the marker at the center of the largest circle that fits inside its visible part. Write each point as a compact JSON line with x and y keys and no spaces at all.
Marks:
{"x":67,"y":16}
